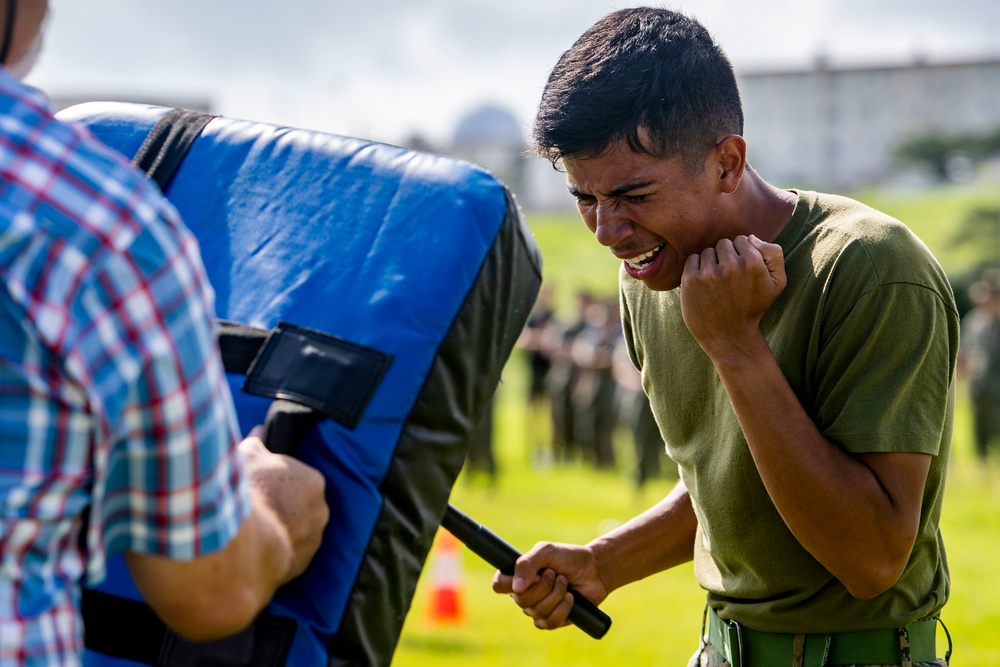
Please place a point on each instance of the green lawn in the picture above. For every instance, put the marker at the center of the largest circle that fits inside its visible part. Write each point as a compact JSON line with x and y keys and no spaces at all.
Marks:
{"x":656,"y":622}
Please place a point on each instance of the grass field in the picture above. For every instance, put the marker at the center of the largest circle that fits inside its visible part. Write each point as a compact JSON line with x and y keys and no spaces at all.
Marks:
{"x":656,"y":622}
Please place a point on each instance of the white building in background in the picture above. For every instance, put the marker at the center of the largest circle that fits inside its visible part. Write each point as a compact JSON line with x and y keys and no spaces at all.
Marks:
{"x":829,"y":127}
{"x":837,"y":127}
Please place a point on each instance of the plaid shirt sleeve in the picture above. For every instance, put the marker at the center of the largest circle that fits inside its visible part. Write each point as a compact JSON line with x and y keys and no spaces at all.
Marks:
{"x":150,"y":340}
{"x":172,"y":482}
{"x":114,"y":399}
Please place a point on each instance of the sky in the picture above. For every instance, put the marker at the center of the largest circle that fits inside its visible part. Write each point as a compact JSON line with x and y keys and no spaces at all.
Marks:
{"x":391,"y":69}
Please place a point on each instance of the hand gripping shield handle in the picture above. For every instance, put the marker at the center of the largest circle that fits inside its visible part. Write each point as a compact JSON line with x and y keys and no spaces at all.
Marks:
{"x":494,"y":550}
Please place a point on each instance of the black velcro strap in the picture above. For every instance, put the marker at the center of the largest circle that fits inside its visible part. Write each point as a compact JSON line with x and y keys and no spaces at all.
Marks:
{"x":129,"y":630}
{"x":327,"y":373}
{"x":168,"y":142}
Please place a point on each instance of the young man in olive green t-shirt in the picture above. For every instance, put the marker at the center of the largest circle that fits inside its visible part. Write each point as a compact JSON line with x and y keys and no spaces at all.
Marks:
{"x":798,"y":351}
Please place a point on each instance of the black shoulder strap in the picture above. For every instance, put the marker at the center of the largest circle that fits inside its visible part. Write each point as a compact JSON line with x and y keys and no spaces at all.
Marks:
{"x":168,"y":142}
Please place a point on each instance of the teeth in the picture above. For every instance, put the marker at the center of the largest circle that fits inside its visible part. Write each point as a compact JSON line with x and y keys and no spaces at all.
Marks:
{"x":640,"y":261}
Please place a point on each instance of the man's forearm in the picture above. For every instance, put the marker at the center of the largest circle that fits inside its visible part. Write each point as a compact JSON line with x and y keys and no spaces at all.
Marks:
{"x":858,"y":515}
{"x":221,"y":593}
{"x":656,"y":540}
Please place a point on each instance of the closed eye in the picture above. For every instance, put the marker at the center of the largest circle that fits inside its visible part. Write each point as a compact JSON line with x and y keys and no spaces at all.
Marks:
{"x":635,"y":199}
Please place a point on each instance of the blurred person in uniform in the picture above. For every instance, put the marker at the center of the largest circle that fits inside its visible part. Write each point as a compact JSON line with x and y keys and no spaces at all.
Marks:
{"x":798,"y":350}
{"x":562,"y":380}
{"x":118,"y":432}
{"x":594,"y":395}
{"x":536,"y":340}
{"x":636,"y":415}
{"x":979,"y":360}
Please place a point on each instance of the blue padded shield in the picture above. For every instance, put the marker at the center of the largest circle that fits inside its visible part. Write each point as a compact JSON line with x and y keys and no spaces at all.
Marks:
{"x":422,"y":257}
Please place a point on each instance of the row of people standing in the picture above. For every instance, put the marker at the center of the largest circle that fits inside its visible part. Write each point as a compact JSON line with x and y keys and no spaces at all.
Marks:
{"x":582,"y":387}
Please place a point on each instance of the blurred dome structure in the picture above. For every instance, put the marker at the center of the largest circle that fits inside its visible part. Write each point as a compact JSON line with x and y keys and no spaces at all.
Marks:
{"x":489,"y":125}
{"x":492,"y":137}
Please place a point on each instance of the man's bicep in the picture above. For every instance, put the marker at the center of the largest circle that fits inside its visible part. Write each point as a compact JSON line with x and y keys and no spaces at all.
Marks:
{"x":902,"y":476}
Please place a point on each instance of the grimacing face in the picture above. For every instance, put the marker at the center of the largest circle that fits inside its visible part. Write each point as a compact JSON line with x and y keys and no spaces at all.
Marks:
{"x":652,"y":213}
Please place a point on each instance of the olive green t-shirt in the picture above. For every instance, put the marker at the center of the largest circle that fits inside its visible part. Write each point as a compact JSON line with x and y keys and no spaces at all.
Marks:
{"x":866,"y":333}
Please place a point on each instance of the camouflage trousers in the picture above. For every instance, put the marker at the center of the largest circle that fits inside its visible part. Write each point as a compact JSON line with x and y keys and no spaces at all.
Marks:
{"x":711,"y":657}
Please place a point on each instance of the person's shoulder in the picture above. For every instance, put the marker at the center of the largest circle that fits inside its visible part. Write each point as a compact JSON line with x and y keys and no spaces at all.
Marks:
{"x":851,"y":215}
{"x":77,"y":186}
{"x":870,"y":247}
{"x":67,"y":151}
{"x":93,"y":167}
{"x":843,"y":220}
{"x":67,"y":187}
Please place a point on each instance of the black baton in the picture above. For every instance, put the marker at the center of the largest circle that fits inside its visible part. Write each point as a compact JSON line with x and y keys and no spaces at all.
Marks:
{"x":284,"y":426}
{"x":490,"y":547}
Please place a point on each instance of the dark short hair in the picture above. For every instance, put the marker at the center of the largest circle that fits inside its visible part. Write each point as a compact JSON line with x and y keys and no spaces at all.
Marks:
{"x":639,"y":72}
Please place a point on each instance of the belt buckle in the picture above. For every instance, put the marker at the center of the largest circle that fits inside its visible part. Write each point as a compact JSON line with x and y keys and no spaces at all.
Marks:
{"x":735,"y":630}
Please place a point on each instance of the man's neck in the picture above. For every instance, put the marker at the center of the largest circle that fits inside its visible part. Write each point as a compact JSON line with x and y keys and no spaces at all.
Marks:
{"x":764,"y":209}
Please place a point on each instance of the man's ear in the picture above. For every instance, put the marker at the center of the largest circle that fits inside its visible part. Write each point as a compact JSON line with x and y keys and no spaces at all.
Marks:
{"x":731,"y":156}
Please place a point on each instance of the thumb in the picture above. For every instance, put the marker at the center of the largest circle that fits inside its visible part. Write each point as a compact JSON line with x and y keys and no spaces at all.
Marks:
{"x":525,"y":574}
{"x":774,"y":258}
{"x":528,"y":566}
{"x":252,"y":445}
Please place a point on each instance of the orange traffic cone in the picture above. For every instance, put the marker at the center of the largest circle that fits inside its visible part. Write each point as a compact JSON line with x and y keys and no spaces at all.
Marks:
{"x":445,"y":603}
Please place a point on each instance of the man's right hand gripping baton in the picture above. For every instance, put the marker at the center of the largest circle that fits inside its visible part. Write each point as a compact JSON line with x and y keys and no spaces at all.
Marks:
{"x":283,"y":429}
{"x":491,"y":548}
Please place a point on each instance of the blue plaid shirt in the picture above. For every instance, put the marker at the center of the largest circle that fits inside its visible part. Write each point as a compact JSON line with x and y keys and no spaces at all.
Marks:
{"x":112,"y":394}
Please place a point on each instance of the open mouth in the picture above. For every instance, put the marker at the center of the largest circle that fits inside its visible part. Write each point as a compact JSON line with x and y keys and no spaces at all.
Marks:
{"x":640,"y":262}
